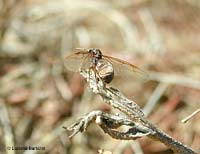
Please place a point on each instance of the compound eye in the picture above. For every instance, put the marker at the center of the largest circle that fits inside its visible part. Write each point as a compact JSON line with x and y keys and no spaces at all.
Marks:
{"x":98,"y":51}
{"x":90,"y":50}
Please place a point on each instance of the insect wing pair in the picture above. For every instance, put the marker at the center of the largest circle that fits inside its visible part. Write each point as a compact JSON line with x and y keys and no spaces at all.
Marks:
{"x":84,"y":59}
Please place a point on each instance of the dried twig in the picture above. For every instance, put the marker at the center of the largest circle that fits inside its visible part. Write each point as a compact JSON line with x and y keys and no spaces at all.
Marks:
{"x":190,"y":116}
{"x":107,"y":122}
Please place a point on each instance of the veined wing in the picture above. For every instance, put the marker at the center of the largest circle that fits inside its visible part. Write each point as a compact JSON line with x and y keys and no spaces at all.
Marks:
{"x":78,"y":60}
{"x":125,"y":69}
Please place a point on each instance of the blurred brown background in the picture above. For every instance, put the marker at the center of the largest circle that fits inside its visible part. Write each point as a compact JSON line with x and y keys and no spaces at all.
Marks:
{"x":38,"y":95}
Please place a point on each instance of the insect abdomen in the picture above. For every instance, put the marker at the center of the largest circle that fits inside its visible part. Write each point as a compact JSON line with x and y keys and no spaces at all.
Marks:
{"x":105,"y":71}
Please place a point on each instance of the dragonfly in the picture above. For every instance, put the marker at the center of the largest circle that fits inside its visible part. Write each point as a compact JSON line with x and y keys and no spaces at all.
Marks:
{"x":107,"y":67}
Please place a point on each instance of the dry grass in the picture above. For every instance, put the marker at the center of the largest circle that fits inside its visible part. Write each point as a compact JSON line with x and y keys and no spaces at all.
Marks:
{"x":38,"y":96}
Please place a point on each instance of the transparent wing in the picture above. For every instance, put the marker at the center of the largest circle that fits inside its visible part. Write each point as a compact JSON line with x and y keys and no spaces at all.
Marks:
{"x":125,"y":69}
{"x":78,"y":60}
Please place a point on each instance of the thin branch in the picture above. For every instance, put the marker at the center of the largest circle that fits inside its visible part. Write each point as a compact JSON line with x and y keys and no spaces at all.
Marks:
{"x":117,"y":100}
{"x":190,"y":116}
{"x":109,"y":123}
